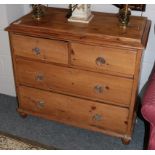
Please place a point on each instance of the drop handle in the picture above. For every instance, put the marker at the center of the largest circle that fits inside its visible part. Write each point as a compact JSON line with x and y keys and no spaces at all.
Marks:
{"x":36,"y":50}
{"x":97,"y":117}
{"x":100,"y":61}
{"x":40,"y":104}
{"x":39,"y":77}
{"x":99,"y":89}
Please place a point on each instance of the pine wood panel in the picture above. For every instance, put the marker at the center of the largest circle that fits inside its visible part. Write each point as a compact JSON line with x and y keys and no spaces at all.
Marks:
{"x":115,"y":60}
{"x":77,"y":82}
{"x":41,"y":49}
{"x":73,"y":110}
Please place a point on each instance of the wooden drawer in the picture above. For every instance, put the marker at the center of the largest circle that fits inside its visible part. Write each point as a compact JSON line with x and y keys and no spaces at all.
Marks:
{"x":79,"y":112}
{"x":42,"y":49}
{"x":92,"y":85}
{"x":103,"y":59}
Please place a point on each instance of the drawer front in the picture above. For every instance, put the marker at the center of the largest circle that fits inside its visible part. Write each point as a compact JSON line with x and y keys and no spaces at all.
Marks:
{"x":103,"y":58}
{"x":42,"y":49}
{"x":71,"y":110}
{"x":77,"y":82}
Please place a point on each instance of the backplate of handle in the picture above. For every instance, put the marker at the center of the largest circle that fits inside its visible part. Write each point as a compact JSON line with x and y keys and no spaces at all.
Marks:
{"x":36,"y":50}
{"x":97,"y":117}
{"x":39,"y":77}
{"x":100,"y":61}
{"x":40,"y":104}
{"x":99,"y":88}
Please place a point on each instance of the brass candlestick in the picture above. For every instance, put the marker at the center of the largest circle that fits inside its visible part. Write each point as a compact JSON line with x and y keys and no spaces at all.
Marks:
{"x":38,"y":11}
{"x":124,"y":15}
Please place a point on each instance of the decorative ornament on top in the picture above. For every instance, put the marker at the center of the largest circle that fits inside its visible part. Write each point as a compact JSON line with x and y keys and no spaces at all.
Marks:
{"x":125,"y":12}
{"x":124,"y":15}
{"x":38,"y":11}
{"x":79,"y":13}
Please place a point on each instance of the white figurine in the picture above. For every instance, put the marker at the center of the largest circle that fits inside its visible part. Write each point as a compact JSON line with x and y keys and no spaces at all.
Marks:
{"x":80,"y":13}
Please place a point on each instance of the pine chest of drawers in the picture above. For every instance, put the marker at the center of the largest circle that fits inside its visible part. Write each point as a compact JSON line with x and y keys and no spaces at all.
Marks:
{"x":85,"y":75}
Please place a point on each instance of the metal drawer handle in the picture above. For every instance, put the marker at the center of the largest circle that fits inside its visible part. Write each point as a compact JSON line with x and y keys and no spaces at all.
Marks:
{"x":40,"y":104}
{"x":39,"y":77}
{"x":36,"y":50}
{"x":100,"y":61}
{"x":99,"y":88}
{"x":97,"y":117}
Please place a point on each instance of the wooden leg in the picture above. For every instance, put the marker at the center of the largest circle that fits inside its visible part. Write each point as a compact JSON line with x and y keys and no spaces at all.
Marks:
{"x":126,"y":140}
{"x":23,"y":115}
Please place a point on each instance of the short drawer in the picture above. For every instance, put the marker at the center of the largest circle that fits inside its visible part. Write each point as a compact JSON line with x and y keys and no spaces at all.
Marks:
{"x":74,"y":111}
{"x":92,"y":85}
{"x":42,"y":49}
{"x":103,"y":59}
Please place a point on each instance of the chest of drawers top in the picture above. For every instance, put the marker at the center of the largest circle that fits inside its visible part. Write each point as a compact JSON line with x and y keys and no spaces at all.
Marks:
{"x":104,"y":29}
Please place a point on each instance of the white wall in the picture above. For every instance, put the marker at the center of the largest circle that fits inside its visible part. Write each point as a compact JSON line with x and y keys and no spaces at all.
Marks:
{"x":149,"y":55}
{"x":8,"y":13}
{"x":11,"y":12}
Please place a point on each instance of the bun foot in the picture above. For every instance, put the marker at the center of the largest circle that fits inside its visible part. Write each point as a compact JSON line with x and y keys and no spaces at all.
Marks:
{"x":126,"y":140}
{"x":23,"y":115}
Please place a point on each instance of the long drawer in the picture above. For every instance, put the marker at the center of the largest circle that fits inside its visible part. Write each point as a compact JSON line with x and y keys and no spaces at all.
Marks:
{"x":103,"y":59}
{"x":78,"y":112}
{"x":76,"y":82}
{"x":40,"y":49}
